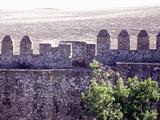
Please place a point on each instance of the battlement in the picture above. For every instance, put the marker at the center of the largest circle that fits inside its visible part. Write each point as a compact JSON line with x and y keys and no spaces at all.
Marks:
{"x":104,"y":42}
{"x":71,"y":54}
{"x":68,"y":54}
{"x":53,"y":92}
{"x":124,"y":53}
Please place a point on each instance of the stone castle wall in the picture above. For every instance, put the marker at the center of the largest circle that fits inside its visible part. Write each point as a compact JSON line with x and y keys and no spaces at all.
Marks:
{"x":141,"y":70}
{"x":71,"y":54}
{"x":42,"y":94}
{"x":67,"y":55}
{"x":123,"y":53}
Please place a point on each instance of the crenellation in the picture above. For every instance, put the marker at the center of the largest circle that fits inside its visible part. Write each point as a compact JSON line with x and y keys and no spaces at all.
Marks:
{"x":125,"y":54}
{"x":123,"y":40}
{"x":79,"y":50}
{"x":45,"y":48}
{"x":143,"y":40}
{"x":25,"y":46}
{"x":7,"y":46}
{"x":65,"y":50}
{"x":73,"y":54}
{"x":78,"y":53}
{"x":103,"y":42}
{"x":48,"y":85}
{"x":158,"y":41}
{"x":91,"y":50}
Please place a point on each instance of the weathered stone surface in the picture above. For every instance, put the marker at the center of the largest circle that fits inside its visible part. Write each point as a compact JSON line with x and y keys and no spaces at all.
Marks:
{"x":158,"y":41}
{"x":103,"y":42}
{"x":123,"y":40}
{"x":113,"y":56}
{"x":7,"y":46}
{"x":73,"y":54}
{"x":124,"y":54}
{"x":141,"y":70}
{"x":67,"y":55}
{"x":143,"y":40}
{"x":90,"y":55}
{"x":103,"y":33}
{"x":42,"y":94}
{"x":78,"y":53}
{"x":26,"y":46}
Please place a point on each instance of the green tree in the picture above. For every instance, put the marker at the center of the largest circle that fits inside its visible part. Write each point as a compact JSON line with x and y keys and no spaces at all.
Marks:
{"x":142,"y":99}
{"x":99,"y":102}
{"x":135,"y":100}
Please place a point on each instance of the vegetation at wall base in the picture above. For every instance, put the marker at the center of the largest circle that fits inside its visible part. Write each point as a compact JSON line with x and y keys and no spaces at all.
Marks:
{"x":132,"y":100}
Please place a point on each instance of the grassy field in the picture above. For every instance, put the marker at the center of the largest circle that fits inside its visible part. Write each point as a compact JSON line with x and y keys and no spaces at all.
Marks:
{"x":52,"y":25}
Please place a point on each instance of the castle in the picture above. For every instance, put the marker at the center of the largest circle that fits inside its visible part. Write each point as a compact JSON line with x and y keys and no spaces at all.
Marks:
{"x":48,"y":85}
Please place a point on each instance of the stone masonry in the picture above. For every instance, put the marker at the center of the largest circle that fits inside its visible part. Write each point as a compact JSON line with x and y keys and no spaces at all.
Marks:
{"x":66,"y":55}
{"x":123,"y":54}
{"x":42,"y":94}
{"x":73,"y":54}
{"x":47,"y":86}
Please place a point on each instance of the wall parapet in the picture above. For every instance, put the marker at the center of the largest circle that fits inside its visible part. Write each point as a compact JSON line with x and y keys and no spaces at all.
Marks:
{"x":67,"y":55}
{"x":123,"y":53}
{"x":73,"y":54}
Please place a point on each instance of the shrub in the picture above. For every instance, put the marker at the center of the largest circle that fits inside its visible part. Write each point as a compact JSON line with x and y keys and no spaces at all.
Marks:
{"x":135,"y":100}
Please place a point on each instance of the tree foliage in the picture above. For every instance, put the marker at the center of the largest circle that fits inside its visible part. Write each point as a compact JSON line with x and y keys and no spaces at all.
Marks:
{"x":134,"y":100}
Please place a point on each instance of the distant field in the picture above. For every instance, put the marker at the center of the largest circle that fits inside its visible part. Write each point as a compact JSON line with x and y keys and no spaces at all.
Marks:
{"x":50,"y":25}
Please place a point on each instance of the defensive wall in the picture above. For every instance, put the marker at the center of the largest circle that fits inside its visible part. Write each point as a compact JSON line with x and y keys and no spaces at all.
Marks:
{"x":142,"y":62}
{"x":47,"y":86}
{"x":141,"y":70}
{"x":44,"y":94}
{"x":72,"y":54}
{"x":123,"y":53}
{"x":66,"y":55}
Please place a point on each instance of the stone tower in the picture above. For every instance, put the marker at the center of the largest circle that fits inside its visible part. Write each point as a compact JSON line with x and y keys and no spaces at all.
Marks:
{"x":143,"y":40}
{"x":103,"y":42}
{"x":123,"y":40}
{"x":7,"y":46}
{"x":26,"y":46}
{"x":158,"y":41}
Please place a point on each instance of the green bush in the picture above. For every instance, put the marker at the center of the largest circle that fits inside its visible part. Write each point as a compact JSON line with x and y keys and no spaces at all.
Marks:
{"x":134,"y":100}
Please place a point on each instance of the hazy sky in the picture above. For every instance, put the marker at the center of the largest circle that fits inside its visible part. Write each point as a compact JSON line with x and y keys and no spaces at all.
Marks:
{"x":75,"y":4}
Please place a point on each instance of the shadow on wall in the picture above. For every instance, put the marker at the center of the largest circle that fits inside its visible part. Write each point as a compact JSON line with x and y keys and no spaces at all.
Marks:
{"x":23,"y":66}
